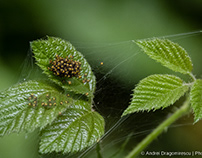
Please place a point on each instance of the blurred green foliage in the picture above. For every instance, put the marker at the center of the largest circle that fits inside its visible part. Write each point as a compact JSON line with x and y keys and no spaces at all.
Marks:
{"x":92,"y":25}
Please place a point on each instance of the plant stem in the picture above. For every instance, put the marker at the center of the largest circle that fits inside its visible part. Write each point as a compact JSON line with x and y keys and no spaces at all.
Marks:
{"x":156,"y":132}
{"x":99,"y":155}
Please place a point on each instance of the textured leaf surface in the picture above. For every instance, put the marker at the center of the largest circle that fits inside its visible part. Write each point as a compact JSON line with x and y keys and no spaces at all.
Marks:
{"x":76,"y":129}
{"x":168,"y":53}
{"x":17,"y":115}
{"x":156,"y":91}
{"x":196,"y":99}
{"x":46,"y":50}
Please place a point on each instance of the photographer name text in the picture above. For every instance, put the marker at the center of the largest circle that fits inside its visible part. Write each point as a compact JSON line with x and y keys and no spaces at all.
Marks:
{"x":171,"y":153}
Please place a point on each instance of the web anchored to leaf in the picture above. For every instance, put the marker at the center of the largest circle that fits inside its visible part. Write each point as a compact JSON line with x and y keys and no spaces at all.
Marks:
{"x":67,"y":123}
{"x":60,"y":106}
{"x":160,"y":91}
{"x":64,"y":65}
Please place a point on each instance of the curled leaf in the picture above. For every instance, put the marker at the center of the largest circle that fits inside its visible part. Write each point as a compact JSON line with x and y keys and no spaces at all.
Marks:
{"x":59,"y":60}
{"x":196,"y":99}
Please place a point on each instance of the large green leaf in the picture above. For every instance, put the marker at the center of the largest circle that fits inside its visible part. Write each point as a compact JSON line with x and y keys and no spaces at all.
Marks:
{"x":196,"y":99}
{"x":46,"y":50}
{"x":77,"y":128}
{"x":156,"y":91}
{"x":168,"y":53}
{"x":21,"y":106}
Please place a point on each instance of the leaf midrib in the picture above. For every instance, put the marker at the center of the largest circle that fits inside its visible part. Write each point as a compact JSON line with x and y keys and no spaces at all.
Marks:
{"x":87,"y":112}
{"x":164,"y":94}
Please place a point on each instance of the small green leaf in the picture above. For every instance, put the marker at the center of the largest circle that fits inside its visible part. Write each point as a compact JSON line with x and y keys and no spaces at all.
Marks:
{"x":156,"y":91}
{"x":45,"y":51}
{"x":196,"y":99}
{"x":77,"y":128}
{"x":168,"y":53}
{"x":21,"y":106}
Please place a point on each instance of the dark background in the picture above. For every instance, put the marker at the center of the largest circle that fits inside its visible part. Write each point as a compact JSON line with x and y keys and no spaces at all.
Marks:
{"x":102,"y":30}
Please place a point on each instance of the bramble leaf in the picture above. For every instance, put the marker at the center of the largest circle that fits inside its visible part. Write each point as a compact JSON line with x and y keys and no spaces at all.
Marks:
{"x":168,"y":53}
{"x":77,"y":128}
{"x":21,"y":106}
{"x":46,"y":51}
{"x":196,"y":99}
{"x":156,"y":91}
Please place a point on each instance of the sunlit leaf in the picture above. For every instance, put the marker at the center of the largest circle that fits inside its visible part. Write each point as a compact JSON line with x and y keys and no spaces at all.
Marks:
{"x":196,"y":99}
{"x":168,"y":53}
{"x":156,"y":91}
{"x":21,"y":106}
{"x":46,"y":50}
{"x":77,"y":128}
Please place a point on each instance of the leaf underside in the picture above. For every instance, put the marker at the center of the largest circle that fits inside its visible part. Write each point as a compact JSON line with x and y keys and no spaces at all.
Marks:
{"x":168,"y":53}
{"x":156,"y":91}
{"x":77,"y":128}
{"x":46,"y":50}
{"x":196,"y":99}
{"x":17,"y":113}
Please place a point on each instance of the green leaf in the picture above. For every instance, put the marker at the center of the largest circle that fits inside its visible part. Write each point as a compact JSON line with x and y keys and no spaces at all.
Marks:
{"x":196,"y":99}
{"x":168,"y":53}
{"x":21,"y":106}
{"x":156,"y":91}
{"x":46,"y":50}
{"x":77,"y":128}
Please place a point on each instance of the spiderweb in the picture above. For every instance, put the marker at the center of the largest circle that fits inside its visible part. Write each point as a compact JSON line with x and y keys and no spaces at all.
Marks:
{"x":115,"y":83}
{"x":118,"y":67}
